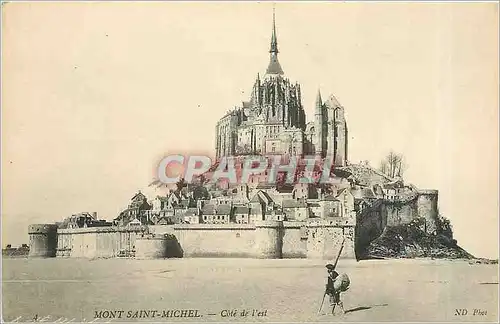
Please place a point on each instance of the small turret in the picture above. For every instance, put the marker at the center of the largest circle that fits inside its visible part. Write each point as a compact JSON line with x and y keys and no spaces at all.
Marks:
{"x":256,"y":93}
{"x":318,"y":125}
{"x":319,"y":102}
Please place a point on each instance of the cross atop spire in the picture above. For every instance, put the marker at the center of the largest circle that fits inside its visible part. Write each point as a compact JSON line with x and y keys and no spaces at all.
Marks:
{"x":274,"y":40}
{"x":274,"y":66}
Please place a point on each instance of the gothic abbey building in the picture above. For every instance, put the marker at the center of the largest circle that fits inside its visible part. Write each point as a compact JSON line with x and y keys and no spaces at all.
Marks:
{"x":273,"y":121}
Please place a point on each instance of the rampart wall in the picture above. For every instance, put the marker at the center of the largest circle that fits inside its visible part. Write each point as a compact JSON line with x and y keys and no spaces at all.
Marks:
{"x":371,"y":222}
{"x":97,"y":242}
{"x":266,"y":239}
{"x":424,"y":205}
{"x":294,"y":240}
{"x":200,"y":240}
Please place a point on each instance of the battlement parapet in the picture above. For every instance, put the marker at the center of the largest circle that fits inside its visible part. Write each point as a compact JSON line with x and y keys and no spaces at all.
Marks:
{"x":338,"y":222}
{"x":293,"y":225}
{"x":107,"y":229}
{"x":268,"y":224}
{"x":214,"y":227}
{"x":428,"y":192}
{"x":42,"y":228}
{"x":406,"y":199}
{"x":43,"y":240}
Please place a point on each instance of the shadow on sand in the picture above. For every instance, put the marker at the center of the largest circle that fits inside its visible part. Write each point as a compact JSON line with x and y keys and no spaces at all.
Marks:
{"x":360,"y":308}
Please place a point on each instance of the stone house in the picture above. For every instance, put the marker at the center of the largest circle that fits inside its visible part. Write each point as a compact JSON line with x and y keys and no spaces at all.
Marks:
{"x":216,"y":214}
{"x":295,"y":210}
{"x":173,"y":200}
{"x":280,"y":194}
{"x":241,"y":194}
{"x":192,"y":216}
{"x":159,"y":203}
{"x":179,"y":199}
{"x":135,"y":210}
{"x":331,"y":206}
{"x":276,"y":215}
{"x":262,"y":198}
{"x":256,"y":213}
{"x":347,"y":201}
{"x":241,"y":214}
{"x":315,"y":208}
{"x":221,"y":200}
{"x":303,"y":191}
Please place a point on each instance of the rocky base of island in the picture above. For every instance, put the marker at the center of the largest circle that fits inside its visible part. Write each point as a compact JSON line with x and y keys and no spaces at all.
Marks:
{"x":411,"y":241}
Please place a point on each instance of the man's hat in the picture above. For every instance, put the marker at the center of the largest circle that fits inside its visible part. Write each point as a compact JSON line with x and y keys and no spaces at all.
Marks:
{"x":330,"y":266}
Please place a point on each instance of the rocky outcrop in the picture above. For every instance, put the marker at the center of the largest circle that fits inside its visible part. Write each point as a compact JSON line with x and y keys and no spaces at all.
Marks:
{"x":411,"y":241}
{"x":365,"y":175}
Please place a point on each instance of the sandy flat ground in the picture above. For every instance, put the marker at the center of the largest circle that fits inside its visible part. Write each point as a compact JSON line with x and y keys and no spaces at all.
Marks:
{"x":290,"y":290}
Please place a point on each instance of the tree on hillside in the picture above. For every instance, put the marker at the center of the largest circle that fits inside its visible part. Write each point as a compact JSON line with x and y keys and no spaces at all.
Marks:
{"x":393,"y":165}
{"x":200,"y":192}
{"x":180,"y":184}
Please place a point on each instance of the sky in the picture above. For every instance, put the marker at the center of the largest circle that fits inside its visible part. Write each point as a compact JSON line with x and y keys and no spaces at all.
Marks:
{"x":94,"y":94}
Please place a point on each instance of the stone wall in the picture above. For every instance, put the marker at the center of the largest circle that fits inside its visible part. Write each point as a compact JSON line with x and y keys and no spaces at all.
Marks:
{"x":228,"y":240}
{"x":370,"y":224}
{"x":150,"y":247}
{"x":97,"y":242}
{"x":427,"y":208}
{"x":161,"y":229}
{"x":264,"y":239}
{"x":268,"y":239}
{"x":43,"y":240}
{"x":325,"y":238}
{"x":372,"y":221}
{"x":398,"y":214}
{"x":294,"y":240}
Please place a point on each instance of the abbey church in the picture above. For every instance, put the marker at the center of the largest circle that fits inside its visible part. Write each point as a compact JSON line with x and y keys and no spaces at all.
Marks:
{"x":273,"y":121}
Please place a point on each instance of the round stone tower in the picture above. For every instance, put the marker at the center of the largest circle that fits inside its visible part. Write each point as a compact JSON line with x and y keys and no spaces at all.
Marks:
{"x":150,"y":247}
{"x":43,"y":240}
{"x":427,"y":207}
{"x":268,"y":239}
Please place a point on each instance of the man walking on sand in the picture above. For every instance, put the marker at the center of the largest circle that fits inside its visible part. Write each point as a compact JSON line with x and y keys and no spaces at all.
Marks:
{"x":336,"y":284}
{"x":331,"y":290}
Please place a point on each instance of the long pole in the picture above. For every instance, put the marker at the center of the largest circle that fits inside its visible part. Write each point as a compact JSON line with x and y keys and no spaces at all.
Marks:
{"x":322,"y":301}
{"x":340,"y":252}
{"x":334,"y":265}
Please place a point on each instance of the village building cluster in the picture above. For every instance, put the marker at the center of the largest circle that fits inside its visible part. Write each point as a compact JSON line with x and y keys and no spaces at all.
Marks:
{"x":201,"y":203}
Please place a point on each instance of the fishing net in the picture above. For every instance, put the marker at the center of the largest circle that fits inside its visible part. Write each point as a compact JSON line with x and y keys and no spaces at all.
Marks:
{"x":342,"y":282}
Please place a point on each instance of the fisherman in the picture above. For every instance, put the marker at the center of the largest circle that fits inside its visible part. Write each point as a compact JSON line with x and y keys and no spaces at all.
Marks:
{"x":333,"y":293}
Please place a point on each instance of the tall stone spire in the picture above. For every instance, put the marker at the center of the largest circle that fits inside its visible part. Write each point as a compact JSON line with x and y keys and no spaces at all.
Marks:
{"x":274,"y":66}
{"x":319,"y":102}
{"x":274,"y":40}
{"x":319,"y":121}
